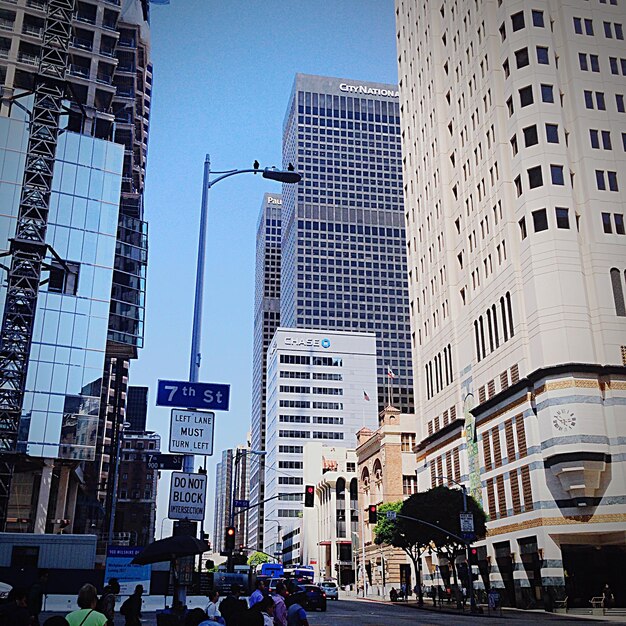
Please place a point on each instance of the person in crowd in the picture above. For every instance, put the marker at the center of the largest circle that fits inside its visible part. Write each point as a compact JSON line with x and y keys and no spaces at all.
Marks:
{"x":131,"y":608}
{"x":86,"y":615}
{"x":106,"y":604}
{"x":266,"y":608}
{"x":608,"y":599}
{"x":280,"y":608}
{"x":35,"y":596}
{"x":211,"y":608}
{"x":258,"y":594}
{"x":232,"y":607}
{"x":15,"y":612}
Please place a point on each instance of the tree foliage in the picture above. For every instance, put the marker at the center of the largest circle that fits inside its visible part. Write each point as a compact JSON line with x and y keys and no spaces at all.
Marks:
{"x":257,"y":558}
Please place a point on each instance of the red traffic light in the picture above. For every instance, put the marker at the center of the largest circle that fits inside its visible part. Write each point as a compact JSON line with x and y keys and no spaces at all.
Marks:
{"x":372,"y":514}
{"x":309,"y":496}
{"x":229,"y":539}
{"x":230,"y":532}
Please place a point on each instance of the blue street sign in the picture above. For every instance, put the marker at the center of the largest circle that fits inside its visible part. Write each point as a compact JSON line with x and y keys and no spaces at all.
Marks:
{"x":241,"y":504}
{"x":181,"y":394}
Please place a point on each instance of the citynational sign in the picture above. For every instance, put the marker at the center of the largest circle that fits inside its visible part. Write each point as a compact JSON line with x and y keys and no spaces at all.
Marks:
{"x":368,"y":91}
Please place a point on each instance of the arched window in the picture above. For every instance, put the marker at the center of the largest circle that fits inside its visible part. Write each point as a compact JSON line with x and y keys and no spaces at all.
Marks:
{"x":340,"y":489}
{"x":494,"y":315}
{"x":450,"y":362}
{"x":477,"y":340}
{"x":618,"y":292}
{"x":482,"y":334}
{"x":504,"y":326}
{"x":510,"y":309}
{"x":490,"y":329}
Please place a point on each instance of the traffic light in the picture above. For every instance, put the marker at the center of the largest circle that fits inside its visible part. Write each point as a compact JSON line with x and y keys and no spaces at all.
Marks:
{"x":229,"y":540}
{"x":372,"y":514}
{"x":473,"y":556}
{"x":309,"y":496}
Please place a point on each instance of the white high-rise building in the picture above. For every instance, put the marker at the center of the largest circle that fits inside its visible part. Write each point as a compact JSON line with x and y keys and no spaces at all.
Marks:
{"x":514,"y":142}
{"x":321,"y":386}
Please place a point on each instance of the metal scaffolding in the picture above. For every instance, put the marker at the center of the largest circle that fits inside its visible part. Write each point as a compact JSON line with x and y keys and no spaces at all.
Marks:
{"x":28,"y":248}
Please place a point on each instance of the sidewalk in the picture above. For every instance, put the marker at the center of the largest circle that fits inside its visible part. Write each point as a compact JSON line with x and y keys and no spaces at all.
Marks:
{"x":508,"y":613}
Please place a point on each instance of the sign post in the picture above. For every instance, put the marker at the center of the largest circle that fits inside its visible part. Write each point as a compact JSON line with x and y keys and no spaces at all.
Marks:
{"x":191,"y":432}
{"x":175,"y":393}
{"x":165,"y":461}
{"x":187,"y":496}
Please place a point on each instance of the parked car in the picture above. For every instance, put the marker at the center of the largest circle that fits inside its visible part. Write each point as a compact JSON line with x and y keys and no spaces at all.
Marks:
{"x":274,"y":581}
{"x":315,"y":597}
{"x":330,"y":589}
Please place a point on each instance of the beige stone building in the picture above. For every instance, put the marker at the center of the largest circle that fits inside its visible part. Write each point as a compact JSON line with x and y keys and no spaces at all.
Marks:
{"x":386,"y":469}
{"x":514,"y":143}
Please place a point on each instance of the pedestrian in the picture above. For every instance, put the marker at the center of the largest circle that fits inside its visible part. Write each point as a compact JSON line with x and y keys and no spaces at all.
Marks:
{"x":131,"y":608}
{"x":280,"y":608}
{"x":608,"y":599}
{"x":266,"y":608}
{"x":35,"y":596}
{"x":232,"y":607}
{"x":86,"y":615}
{"x":211,"y":608}
{"x":296,"y":615}
{"x":258,"y":593}
{"x":198,"y":617}
{"x":106,"y":604}
{"x":15,"y":612}
{"x":393,"y":595}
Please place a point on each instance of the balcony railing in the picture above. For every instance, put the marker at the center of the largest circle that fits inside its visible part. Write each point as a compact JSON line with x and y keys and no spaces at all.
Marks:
{"x":86,"y":18}
{"x":26,"y":57}
{"x":30,"y":29}
{"x":107,"y":51}
{"x":83,"y":44}
{"x":79,"y":70}
{"x":36,"y":4}
{"x":4,"y":53}
{"x":127,"y":43}
{"x":109,"y":25}
{"x":104,"y":79}
{"x":6,"y":24}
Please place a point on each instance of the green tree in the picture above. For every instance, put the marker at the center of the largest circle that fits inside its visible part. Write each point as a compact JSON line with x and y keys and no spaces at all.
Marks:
{"x":441,"y":506}
{"x":404,"y":534}
{"x":257,"y":558}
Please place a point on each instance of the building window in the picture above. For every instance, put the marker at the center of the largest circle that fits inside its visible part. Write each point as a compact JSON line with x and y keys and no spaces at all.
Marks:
{"x":522,"y":230}
{"x":600,"y":182}
{"x":407,"y":442}
{"x":588,"y":99}
{"x":526,"y":96}
{"x":521,"y":58}
{"x":537,"y":18}
{"x":556,"y":173}
{"x":612,"y":178}
{"x":515,"y":149}
{"x":552,"y":133}
{"x":542,"y":55}
{"x":613,"y":65}
{"x":578,"y":26}
{"x":517,"y":21}
{"x":535,"y":177}
{"x":63,"y":279}
{"x":595,"y":140}
{"x":562,"y":217}
{"x":607,"y":30}
{"x":606,"y":140}
{"x":540,"y":220}
{"x":518,"y":185}
{"x":606,"y":223}
{"x":619,"y":102}
{"x":547,"y":93}
{"x":582,"y":61}
{"x":618,"y":292}
{"x":409,"y":485}
{"x":619,"y":223}
{"x":530,"y":136}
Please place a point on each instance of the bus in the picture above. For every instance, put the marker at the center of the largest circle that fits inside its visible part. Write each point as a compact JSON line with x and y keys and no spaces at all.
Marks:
{"x":272,"y":570}
{"x":302,"y":574}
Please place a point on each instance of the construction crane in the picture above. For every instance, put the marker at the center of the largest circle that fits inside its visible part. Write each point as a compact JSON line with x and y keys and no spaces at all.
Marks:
{"x":28,"y":248}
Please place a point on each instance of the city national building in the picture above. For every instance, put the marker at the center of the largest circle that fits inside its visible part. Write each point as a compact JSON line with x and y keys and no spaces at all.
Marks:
{"x":513,"y":141}
{"x":321,"y":386}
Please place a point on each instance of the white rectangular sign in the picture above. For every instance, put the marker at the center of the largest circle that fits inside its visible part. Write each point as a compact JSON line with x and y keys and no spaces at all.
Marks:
{"x":191,"y":432}
{"x":467,"y":522}
{"x":187,"y":496}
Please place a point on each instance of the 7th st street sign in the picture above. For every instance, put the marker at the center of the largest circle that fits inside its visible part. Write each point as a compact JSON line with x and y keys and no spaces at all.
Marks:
{"x":181,"y":394}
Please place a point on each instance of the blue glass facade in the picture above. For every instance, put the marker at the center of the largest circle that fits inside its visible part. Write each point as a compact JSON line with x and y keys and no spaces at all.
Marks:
{"x":62,"y":400}
{"x":344,"y":257}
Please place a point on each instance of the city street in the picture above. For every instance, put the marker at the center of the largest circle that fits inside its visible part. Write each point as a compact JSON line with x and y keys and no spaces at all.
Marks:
{"x":354,"y":612}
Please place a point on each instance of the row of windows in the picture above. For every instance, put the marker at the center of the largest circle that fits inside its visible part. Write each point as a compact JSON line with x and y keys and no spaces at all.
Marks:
{"x":332,"y":406}
{"x":597,"y":100}
{"x":288,"y":374}
{"x":327,"y":435}
{"x":291,"y":449}
{"x":531,"y":136}
{"x":435,"y":369}
{"x":540,"y":220}
{"x":535,"y":177}
{"x":618,"y":221}
{"x":294,"y":419}
{"x":290,"y":480}
{"x":289,"y":512}
{"x":499,"y":318}
{"x":611,"y":29}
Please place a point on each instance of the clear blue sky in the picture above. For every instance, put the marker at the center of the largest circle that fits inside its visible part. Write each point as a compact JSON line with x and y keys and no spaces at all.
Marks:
{"x":223,"y":73}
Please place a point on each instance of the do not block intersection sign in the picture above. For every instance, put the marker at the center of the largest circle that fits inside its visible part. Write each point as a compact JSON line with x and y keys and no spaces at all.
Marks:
{"x":187,"y":496}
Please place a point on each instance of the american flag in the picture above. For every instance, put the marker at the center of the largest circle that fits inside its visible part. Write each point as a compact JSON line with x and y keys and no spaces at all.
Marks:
{"x":365,"y":396}
{"x":390,"y":373}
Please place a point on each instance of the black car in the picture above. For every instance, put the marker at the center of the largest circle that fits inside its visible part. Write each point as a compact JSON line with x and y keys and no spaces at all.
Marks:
{"x":315,"y":597}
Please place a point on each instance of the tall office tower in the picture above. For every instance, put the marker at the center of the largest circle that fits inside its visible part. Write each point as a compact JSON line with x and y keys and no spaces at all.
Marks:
{"x":512,"y":124}
{"x":109,"y":88}
{"x":344,"y":255}
{"x":321,"y":386}
{"x":266,"y":321}
{"x":137,"y":408}
{"x":233,"y":467}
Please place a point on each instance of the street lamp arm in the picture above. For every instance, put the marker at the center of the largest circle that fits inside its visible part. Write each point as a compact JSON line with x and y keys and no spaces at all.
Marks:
{"x":282,"y":176}
{"x":227,"y":174}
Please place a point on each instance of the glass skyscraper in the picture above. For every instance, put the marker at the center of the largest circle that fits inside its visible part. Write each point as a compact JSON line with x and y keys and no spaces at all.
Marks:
{"x":344,"y":261}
